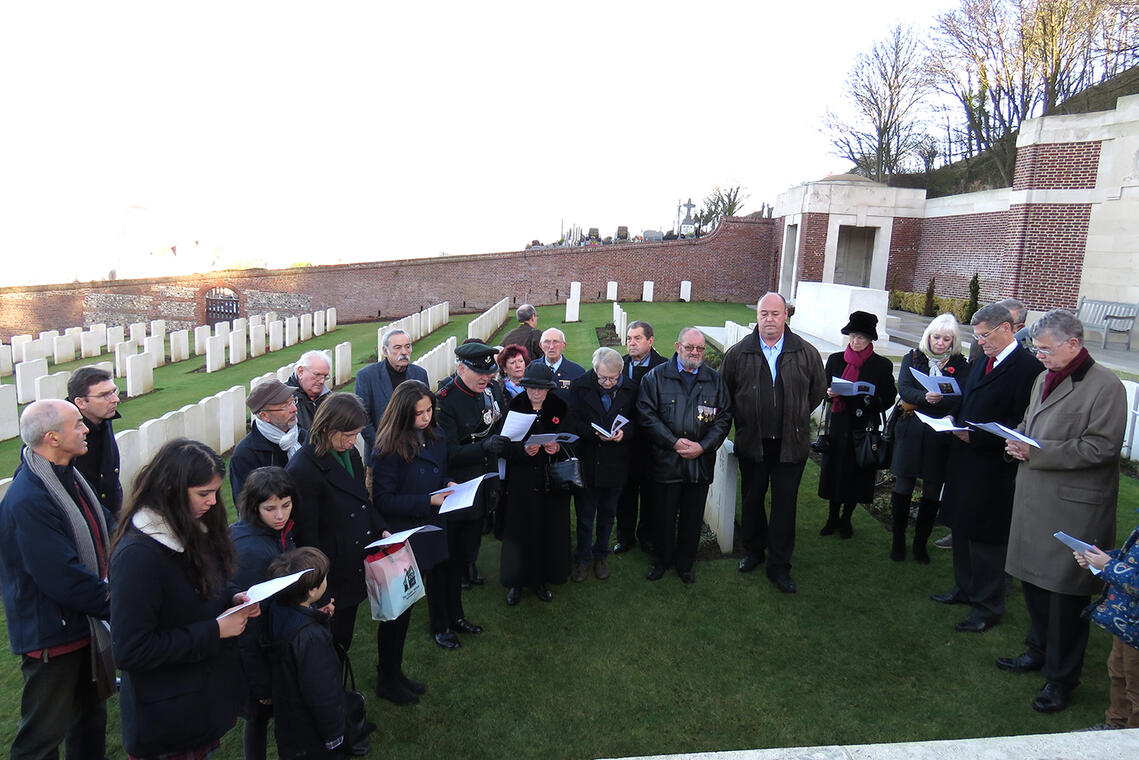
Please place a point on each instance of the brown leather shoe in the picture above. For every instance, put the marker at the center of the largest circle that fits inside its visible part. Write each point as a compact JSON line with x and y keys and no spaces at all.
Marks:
{"x":601,"y":569}
{"x":580,"y":572}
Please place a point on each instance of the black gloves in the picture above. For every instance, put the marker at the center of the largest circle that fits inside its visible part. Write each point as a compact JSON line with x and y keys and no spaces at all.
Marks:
{"x":495,"y":445}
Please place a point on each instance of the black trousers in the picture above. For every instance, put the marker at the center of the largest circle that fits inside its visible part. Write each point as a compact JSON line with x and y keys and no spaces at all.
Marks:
{"x":979,"y":571}
{"x":777,"y":534}
{"x":463,"y":540}
{"x":1057,"y":633}
{"x":678,"y":519}
{"x":443,"y":584}
{"x":60,"y":703}
{"x":390,"y":638}
{"x":636,"y":496}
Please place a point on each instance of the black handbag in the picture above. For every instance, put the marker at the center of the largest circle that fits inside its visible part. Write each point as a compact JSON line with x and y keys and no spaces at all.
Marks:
{"x":872,"y":449}
{"x":564,"y":474}
{"x":357,"y":727}
{"x":822,"y":443}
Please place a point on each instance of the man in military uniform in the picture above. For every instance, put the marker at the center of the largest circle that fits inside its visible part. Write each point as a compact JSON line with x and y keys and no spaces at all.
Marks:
{"x":565,"y":371}
{"x":470,"y":413}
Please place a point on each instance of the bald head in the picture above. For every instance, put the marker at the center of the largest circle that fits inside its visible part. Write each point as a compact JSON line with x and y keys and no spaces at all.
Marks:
{"x":54,"y":429}
{"x":771,"y":317}
{"x":553,"y":344}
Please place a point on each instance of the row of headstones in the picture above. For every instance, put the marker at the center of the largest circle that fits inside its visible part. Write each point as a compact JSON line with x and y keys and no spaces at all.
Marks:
{"x":620,"y":321}
{"x":253,"y":338}
{"x":485,"y":325}
{"x":416,"y":325}
{"x":439,"y":361}
{"x":573,"y":303}
{"x":43,"y":386}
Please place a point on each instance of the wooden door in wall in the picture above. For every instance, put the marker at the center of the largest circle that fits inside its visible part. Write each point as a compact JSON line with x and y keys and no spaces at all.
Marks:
{"x":854,"y":255}
{"x":221,"y":306}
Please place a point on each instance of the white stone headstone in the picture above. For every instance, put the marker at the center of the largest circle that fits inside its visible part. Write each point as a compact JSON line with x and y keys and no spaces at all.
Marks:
{"x":153,"y":434}
{"x":237,"y":413}
{"x":221,"y":329}
{"x":330,"y":319}
{"x":138,"y":332}
{"x":179,"y":345}
{"x":237,"y":346}
{"x":63,"y":349}
{"x":130,"y":457}
{"x":284,"y":373}
{"x":270,"y":316}
{"x":256,"y":340}
{"x":26,"y":374}
{"x":123,"y":350}
{"x":158,"y":328}
{"x":211,"y":421}
{"x":108,"y":367}
{"x":193,"y":416}
{"x":175,"y":425}
{"x":47,"y":336}
{"x":140,"y":375}
{"x":241,"y":323}
{"x":215,"y":353}
{"x":276,"y":335}
{"x":34,"y":349}
{"x":18,"y":342}
{"x":573,"y":307}
{"x":343,"y":362}
{"x":201,"y":337}
{"x":115,"y":335}
{"x":225,"y":421}
{"x":318,"y":323}
{"x":575,"y":290}
{"x":685,"y":290}
{"x":647,"y":291}
{"x":52,"y":386}
{"x":256,"y":319}
{"x":100,"y":329}
{"x":9,"y":417}
{"x":623,"y":326}
{"x":611,"y":291}
{"x":155,"y":346}
{"x":306,"y":326}
{"x":291,"y":331}
{"x":75,"y":333}
{"x":5,"y":361}
{"x":90,"y":345}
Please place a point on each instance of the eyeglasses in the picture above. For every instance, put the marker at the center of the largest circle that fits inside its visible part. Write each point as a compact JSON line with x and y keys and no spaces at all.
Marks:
{"x":607,"y":379}
{"x":288,"y":406}
{"x":320,"y":375}
{"x":693,"y":349}
{"x":105,"y":396}
{"x":985,"y":336}
{"x":1045,"y":351}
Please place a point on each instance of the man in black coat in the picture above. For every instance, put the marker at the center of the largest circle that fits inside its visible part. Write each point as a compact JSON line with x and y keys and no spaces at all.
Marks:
{"x":309,"y":383}
{"x":980,"y":480}
{"x":527,"y":333}
{"x":95,"y":395}
{"x":376,"y":383}
{"x":638,"y":489}
{"x":685,"y":408}
{"x":274,"y":437}
{"x":565,"y":371}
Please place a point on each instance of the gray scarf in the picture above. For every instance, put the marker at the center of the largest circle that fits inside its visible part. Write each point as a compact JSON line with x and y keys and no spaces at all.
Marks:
{"x":288,"y":441}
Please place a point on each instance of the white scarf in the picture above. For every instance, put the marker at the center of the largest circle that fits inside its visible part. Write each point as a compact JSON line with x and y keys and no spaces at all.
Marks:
{"x":287,"y":441}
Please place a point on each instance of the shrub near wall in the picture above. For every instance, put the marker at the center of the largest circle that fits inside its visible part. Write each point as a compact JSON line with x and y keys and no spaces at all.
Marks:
{"x":915,"y":304}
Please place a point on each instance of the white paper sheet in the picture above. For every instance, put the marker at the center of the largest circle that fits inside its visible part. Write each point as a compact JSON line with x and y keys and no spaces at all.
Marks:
{"x":516,"y":425}
{"x":618,"y":423}
{"x":399,"y":538}
{"x":261,"y":591}
{"x":1000,"y":430}
{"x":943,"y":384}
{"x":463,"y":494}
{"x":1075,"y":545}
{"x":940,"y":424}
{"x":851,"y":388}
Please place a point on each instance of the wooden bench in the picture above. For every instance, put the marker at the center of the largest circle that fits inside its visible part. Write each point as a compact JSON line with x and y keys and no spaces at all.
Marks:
{"x":1108,"y":317}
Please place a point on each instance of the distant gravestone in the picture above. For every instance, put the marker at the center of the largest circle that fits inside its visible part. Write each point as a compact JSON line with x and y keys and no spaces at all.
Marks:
{"x":179,"y":346}
{"x":9,"y":416}
{"x":138,"y":332}
{"x":90,"y":345}
{"x":237,"y":413}
{"x":211,"y":421}
{"x":611,"y":291}
{"x":647,"y":291}
{"x":123,"y":350}
{"x":255,"y":320}
{"x":155,"y":346}
{"x":5,"y":361}
{"x":100,"y":329}
{"x":215,"y":353}
{"x":115,"y":335}
{"x":158,"y":328}
{"x":75,"y":333}
{"x":130,"y":457}
{"x":221,"y":330}
{"x":175,"y":425}
{"x":52,"y":386}
{"x":575,"y":290}
{"x":18,"y":342}
{"x":241,"y":323}
{"x":343,"y":362}
{"x":237,"y":346}
{"x":153,"y":434}
{"x":63,"y":349}
{"x":256,"y":340}
{"x":225,"y":421}
{"x":291,"y":331}
{"x":201,"y":337}
{"x":653,"y":236}
{"x":108,"y":367}
{"x":685,"y":290}
{"x":276,"y":335}
{"x":270,"y":316}
{"x":330,"y":319}
{"x":26,"y":374}
{"x":140,"y":375}
{"x":194,"y":421}
{"x":47,"y":336}
{"x":318,"y":323}
{"x":306,"y":326}
{"x":573,"y":309}
{"x":34,"y":349}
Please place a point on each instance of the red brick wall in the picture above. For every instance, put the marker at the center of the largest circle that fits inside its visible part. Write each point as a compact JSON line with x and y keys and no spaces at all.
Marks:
{"x":1057,"y":166}
{"x":733,"y":264}
{"x":812,"y":246}
{"x":952,"y":248}
{"x":1045,"y":253}
{"x":905,"y":239}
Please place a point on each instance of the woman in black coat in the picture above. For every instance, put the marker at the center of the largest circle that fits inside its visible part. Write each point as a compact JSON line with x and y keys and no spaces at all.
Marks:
{"x":919,"y":451}
{"x":841,"y":481}
{"x":535,"y":520}
{"x":335,"y":514}
{"x":170,"y":578}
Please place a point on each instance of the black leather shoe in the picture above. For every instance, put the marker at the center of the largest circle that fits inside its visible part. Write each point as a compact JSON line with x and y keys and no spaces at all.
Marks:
{"x":656,"y":572}
{"x":394,"y":692}
{"x":543,"y":593}
{"x":415,"y":687}
{"x":750,"y":562}
{"x":462,"y":626}
{"x":687,"y":576}
{"x":1052,"y":698}
{"x":464,"y":584}
{"x":784,"y":583}
{"x":447,"y":639}
{"x":949,"y":597}
{"x":473,"y":575}
{"x":1023,"y":663}
{"x":513,"y":596}
{"x":623,"y":546}
{"x":974,"y":625}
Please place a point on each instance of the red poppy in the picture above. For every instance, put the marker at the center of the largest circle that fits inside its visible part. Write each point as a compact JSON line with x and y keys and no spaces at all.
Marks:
{"x":950,"y":370}
{"x":555,"y":420}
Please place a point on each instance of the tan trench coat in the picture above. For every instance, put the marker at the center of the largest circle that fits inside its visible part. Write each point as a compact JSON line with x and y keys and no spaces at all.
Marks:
{"x":1072,"y":482}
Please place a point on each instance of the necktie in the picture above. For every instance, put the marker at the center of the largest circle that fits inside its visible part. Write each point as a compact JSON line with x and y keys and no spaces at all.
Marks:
{"x":989,"y":366}
{"x":607,"y":400}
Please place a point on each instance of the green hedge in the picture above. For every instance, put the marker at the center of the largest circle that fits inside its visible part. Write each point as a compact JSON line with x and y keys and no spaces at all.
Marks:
{"x":915,"y":304}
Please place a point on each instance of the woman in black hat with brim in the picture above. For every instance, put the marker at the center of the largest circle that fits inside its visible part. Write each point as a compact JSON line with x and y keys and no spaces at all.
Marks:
{"x":535,"y":528}
{"x":841,"y":481}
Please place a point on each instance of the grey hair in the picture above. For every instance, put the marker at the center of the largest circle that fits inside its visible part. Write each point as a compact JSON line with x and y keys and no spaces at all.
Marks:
{"x":772,"y":293}
{"x":643,"y":326}
{"x":393,"y":331}
{"x":939,"y":323}
{"x":684,"y":331}
{"x":992,"y":315}
{"x":1016,"y":308}
{"x":39,"y":419}
{"x":608,"y":358}
{"x":526,"y":312}
{"x":1062,"y":323}
{"x":307,"y":357}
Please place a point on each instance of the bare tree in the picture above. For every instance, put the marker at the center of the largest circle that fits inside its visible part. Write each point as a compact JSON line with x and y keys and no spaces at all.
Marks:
{"x":886,"y":87}
{"x":717,"y":205}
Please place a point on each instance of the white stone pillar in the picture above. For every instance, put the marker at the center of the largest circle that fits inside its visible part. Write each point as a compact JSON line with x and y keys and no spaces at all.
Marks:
{"x":155,"y":346}
{"x":575,"y":291}
{"x":330,"y":319}
{"x":237,"y":397}
{"x":215,"y":353}
{"x":276,"y":335}
{"x":292,"y":331}
{"x":225,"y":421}
{"x":140,"y":375}
{"x":201,"y":338}
{"x":211,"y":422}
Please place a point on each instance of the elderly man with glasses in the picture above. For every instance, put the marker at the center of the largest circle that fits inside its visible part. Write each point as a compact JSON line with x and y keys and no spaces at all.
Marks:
{"x":274,"y":437}
{"x":309,"y":384}
{"x":980,"y":480}
{"x":95,"y":395}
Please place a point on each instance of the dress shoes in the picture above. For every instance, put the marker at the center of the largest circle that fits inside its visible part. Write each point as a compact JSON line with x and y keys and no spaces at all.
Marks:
{"x":1052,"y":698}
{"x":1023,"y":663}
{"x":750,"y":562}
{"x":687,"y":576}
{"x":543,"y":593}
{"x":415,"y":687}
{"x":513,"y":596}
{"x":974,"y":625}
{"x":473,"y":576}
{"x":656,"y":572}
{"x":601,"y":569}
{"x":447,"y":639}
{"x":623,"y":546}
{"x":394,"y":691}
{"x":463,"y":626}
{"x":580,"y":572}
{"x":949,"y":597}
{"x":945,"y":542}
{"x":784,"y":583}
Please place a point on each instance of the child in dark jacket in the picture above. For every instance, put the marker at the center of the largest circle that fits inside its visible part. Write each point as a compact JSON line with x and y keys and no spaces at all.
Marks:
{"x":309,"y":705}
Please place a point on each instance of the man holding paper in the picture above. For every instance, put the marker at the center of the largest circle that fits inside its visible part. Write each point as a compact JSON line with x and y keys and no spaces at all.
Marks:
{"x":1071,"y":483}
{"x":980,"y":479}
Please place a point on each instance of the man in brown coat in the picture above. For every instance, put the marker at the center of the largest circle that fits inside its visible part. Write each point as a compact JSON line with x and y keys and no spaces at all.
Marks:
{"x":527,"y":333}
{"x":1077,"y":414}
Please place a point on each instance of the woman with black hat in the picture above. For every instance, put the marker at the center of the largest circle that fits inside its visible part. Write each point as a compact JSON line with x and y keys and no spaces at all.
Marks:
{"x":841,"y":481}
{"x":535,"y":521}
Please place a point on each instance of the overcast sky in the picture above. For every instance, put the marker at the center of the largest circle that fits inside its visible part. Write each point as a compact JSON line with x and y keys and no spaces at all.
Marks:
{"x":354,"y":131}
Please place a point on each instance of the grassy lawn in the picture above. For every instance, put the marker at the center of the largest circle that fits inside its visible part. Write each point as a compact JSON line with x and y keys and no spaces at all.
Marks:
{"x":628,"y":667}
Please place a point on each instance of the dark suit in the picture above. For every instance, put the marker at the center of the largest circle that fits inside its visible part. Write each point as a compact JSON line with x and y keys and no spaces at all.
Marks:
{"x":374,"y":387}
{"x":253,"y":451}
{"x":565,"y":374}
{"x":638,"y":488}
{"x":980,"y":480}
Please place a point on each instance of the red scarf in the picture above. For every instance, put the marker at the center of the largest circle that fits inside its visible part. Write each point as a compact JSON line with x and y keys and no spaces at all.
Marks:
{"x":854,"y":361}
{"x":1053,"y":377}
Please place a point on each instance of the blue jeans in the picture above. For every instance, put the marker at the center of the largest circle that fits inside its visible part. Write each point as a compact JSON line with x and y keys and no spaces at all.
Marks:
{"x":599,"y":503}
